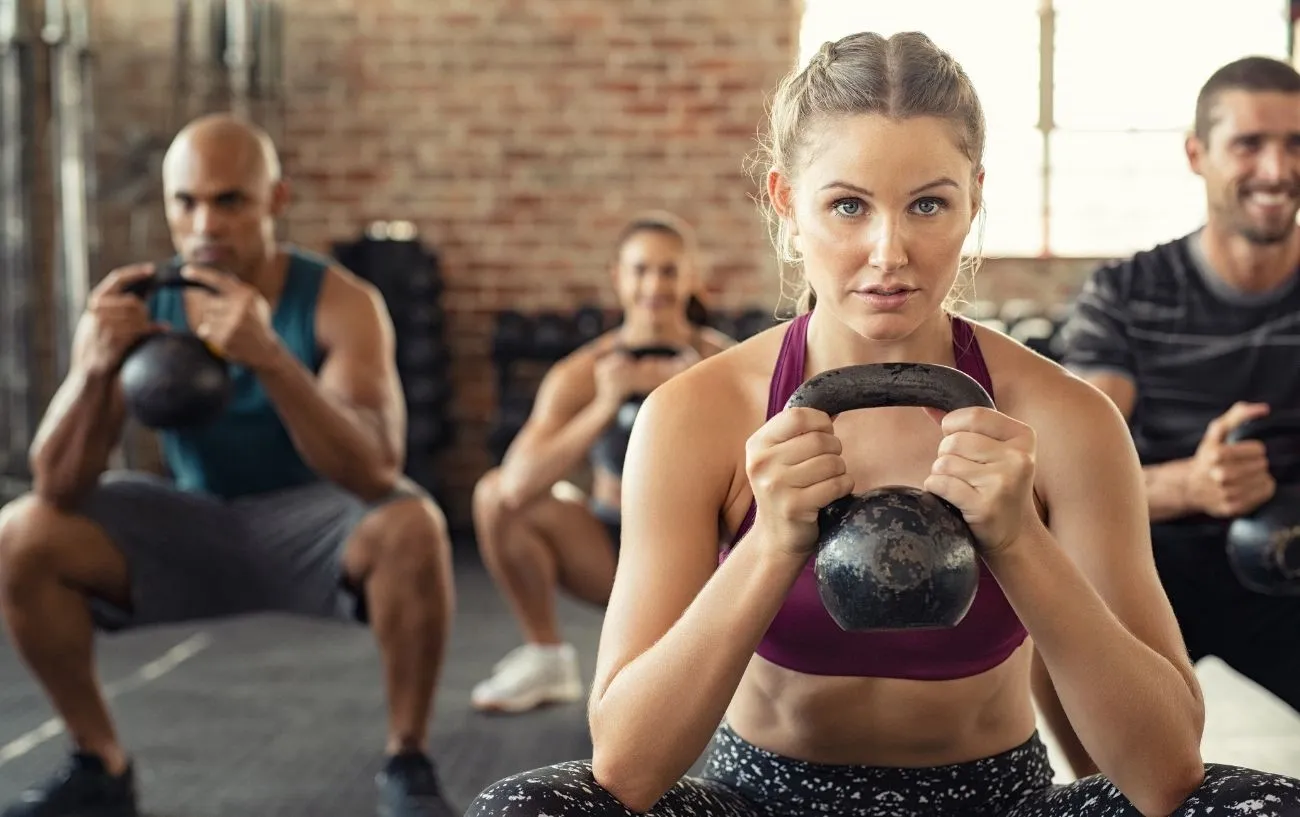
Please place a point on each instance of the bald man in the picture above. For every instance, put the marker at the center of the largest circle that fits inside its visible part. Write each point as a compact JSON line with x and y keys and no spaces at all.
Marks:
{"x":294,"y":501}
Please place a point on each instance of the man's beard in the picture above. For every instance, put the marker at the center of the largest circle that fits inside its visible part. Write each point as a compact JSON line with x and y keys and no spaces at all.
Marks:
{"x":1260,"y":235}
{"x":1267,"y":237}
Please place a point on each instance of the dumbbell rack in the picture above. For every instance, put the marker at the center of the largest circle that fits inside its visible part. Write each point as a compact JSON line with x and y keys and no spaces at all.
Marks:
{"x":408,"y":275}
{"x":1032,"y":323}
{"x":524,"y":346}
{"x":19,"y":296}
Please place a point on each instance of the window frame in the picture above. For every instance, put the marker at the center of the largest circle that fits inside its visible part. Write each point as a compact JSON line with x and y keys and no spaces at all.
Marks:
{"x":1049,"y":131}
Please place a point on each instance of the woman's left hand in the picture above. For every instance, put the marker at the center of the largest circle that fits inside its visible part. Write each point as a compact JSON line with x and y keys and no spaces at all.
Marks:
{"x":985,"y":467}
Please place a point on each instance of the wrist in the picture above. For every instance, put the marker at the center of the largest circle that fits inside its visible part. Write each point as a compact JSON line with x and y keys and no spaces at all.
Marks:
{"x":1177,"y":487}
{"x":776,"y":568}
{"x":606,"y":407}
{"x":95,"y":376}
{"x":773,"y":553}
{"x":1031,"y":539}
{"x":1185,"y":487}
{"x":275,"y":360}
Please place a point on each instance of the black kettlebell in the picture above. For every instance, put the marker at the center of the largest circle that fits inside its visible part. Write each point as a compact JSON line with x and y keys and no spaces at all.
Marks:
{"x":610,"y":449}
{"x":896,"y":557}
{"x":1264,"y":547}
{"x":171,"y":380}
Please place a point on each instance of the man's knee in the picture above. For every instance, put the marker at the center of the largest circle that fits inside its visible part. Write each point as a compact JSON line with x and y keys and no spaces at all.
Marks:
{"x":410,"y":536}
{"x":29,"y":529}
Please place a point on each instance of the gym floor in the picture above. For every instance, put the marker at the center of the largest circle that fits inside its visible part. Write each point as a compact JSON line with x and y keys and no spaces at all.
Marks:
{"x":277,"y":717}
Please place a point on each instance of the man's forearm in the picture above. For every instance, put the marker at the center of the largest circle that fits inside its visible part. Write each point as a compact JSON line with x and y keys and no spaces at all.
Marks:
{"x":1166,"y":489}
{"x":332,"y":439}
{"x":75,"y":437}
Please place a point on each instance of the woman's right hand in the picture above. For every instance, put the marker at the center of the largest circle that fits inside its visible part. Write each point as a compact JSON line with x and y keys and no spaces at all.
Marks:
{"x":795,"y":469}
{"x":615,"y":375}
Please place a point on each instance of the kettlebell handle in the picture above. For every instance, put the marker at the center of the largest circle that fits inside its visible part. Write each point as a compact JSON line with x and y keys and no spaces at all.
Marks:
{"x":1274,"y":425}
{"x":166,"y":276}
{"x":1279,"y":431}
{"x":639,"y":352}
{"x":880,"y":385}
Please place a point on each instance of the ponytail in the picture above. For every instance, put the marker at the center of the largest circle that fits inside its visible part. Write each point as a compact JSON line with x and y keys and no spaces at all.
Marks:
{"x":696,"y":312}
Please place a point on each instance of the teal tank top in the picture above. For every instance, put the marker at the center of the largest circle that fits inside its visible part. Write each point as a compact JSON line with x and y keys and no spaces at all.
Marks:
{"x":248,"y":450}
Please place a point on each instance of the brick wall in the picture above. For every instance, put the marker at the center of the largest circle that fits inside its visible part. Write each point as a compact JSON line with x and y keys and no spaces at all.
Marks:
{"x":516,"y":135}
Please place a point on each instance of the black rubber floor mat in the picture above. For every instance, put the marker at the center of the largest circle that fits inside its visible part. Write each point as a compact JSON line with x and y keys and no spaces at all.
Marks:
{"x":124,"y":661}
{"x":278,"y":716}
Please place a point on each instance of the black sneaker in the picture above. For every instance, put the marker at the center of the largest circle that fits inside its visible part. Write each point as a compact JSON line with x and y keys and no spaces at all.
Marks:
{"x":83,"y":788}
{"x":408,"y":787}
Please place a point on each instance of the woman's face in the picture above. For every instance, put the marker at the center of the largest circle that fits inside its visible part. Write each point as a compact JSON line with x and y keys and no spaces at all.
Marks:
{"x":879,"y":215}
{"x":652,"y":275}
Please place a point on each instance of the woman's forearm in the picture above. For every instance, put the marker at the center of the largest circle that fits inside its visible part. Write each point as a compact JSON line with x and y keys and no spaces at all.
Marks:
{"x":528,"y":473}
{"x":1136,"y":712}
{"x":659,"y":711}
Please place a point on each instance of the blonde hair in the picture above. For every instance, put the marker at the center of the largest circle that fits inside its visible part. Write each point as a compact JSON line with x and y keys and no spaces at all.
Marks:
{"x":902,"y":76}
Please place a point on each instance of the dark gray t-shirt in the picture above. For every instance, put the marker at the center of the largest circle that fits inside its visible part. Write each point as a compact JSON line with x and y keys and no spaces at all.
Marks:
{"x":1191,"y":343}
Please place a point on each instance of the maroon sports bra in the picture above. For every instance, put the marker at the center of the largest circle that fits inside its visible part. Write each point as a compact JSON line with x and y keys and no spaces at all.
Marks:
{"x":804,"y":638}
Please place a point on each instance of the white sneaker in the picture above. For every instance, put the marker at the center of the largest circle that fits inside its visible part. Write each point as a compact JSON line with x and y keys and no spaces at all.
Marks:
{"x":528,"y":677}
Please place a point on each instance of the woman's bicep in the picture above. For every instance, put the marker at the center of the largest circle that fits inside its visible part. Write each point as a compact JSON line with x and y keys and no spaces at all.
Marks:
{"x":675,"y":481}
{"x":1098,"y":514}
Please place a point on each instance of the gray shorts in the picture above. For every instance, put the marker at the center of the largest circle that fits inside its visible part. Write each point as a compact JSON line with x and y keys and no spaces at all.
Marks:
{"x":192,"y":557}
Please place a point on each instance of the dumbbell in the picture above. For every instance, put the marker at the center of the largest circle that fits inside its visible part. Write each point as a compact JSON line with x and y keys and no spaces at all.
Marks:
{"x":427,"y":391}
{"x":512,"y":336}
{"x":424,"y":284}
{"x":588,"y":323}
{"x":981,"y":311}
{"x":423,"y":355}
{"x":1035,"y":333}
{"x":1015,"y":310}
{"x":425,"y":317}
{"x":429,"y":430}
{"x":553,"y":336}
{"x":752,"y":321}
{"x":511,"y":416}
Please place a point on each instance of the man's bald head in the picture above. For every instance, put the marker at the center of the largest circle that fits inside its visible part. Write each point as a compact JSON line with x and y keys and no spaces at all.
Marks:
{"x":221,"y":179}
{"x":226,"y":141}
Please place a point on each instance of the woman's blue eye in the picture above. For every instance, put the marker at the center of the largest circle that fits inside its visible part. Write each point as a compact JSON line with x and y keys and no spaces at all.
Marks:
{"x":854,"y":207}
{"x":930,"y":206}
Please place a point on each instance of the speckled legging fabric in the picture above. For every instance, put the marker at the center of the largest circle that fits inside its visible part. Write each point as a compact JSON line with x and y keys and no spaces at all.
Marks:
{"x":741,"y":780}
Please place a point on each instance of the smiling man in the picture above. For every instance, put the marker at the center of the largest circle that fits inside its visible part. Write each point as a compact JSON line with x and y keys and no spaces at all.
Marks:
{"x":1194,"y":337}
{"x":293,"y":501}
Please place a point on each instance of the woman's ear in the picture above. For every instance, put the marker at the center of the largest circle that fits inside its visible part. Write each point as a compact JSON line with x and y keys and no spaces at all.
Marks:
{"x":781,"y":195}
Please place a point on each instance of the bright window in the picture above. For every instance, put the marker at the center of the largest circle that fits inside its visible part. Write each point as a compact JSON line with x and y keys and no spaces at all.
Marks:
{"x":1126,"y":77}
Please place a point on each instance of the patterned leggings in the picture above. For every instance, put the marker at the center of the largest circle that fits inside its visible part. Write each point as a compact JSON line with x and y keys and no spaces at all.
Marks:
{"x":742,"y":780}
